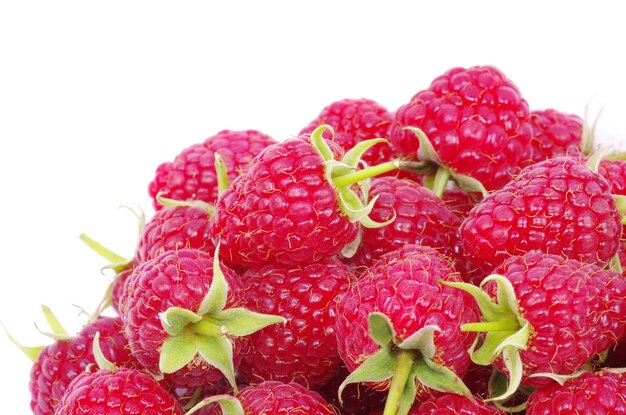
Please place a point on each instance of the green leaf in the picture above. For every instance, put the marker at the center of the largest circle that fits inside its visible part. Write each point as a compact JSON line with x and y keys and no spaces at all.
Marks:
{"x":353,"y":156}
{"x":422,"y":340}
{"x":426,"y":150}
{"x":53,"y":322}
{"x":32,"y":352}
{"x":379,"y":367}
{"x":175,"y":319}
{"x":239,"y":322}
{"x":100,"y":358}
{"x":215,"y":299}
{"x":218,"y":352}
{"x":176,"y":353}
{"x":229,"y":405}
{"x":381,"y":329}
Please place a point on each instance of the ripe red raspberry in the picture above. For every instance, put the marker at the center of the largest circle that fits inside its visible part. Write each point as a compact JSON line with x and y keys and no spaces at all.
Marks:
{"x":558,"y":206}
{"x":452,"y":404}
{"x":175,"y":227}
{"x":119,"y":392}
{"x":356,"y":120}
{"x":458,"y":201}
{"x":475,"y":119}
{"x":561,"y":313}
{"x":179,"y":278}
{"x":304,"y":350}
{"x":614,"y":171}
{"x":590,"y":393}
{"x":554,"y":134}
{"x":291,"y":206}
{"x":191,"y":175}
{"x":60,"y":362}
{"x":403,"y":287}
{"x":273,"y":397}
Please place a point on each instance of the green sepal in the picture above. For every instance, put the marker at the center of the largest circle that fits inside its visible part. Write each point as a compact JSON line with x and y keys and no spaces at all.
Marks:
{"x":240,"y":322}
{"x":229,"y":405}
{"x":215,"y":299}
{"x":350,"y":249}
{"x":352,"y":206}
{"x":175,"y":319}
{"x":513,"y":363}
{"x":620,"y":203}
{"x":468,"y":183}
{"x":422,"y":167}
{"x":101,"y":360}
{"x":379,"y":367}
{"x":164,"y":201}
{"x":615,"y":264}
{"x":490,"y":310}
{"x":32,"y":352}
{"x":218,"y":352}
{"x":589,"y":131}
{"x":222,"y":174}
{"x":53,"y":322}
{"x":115,"y":260}
{"x":353,"y":156}
{"x":440,"y":378}
{"x":176,"y":352}
{"x":407,"y":399}
{"x":426,"y":151}
{"x":486,"y":354}
{"x":422,"y":340}
{"x":594,"y":161}
{"x":318,"y":142}
{"x":560,"y":379}
{"x":381,"y":329}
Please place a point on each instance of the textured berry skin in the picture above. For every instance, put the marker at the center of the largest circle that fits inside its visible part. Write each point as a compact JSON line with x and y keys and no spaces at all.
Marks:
{"x":403,"y":286}
{"x":614,"y":171}
{"x":282,"y":210}
{"x":458,"y":201}
{"x":601,"y":393}
{"x":575,"y":311}
{"x":191,"y":175}
{"x":175,"y":227}
{"x":304,"y":350}
{"x":119,"y":392}
{"x":173,"y":279}
{"x":356,"y":120}
{"x":558,"y":206}
{"x":452,"y":404}
{"x":420,"y":218}
{"x":554,"y":134}
{"x":475,"y":119}
{"x":60,"y":362}
{"x":118,"y":286}
{"x":277,"y":398}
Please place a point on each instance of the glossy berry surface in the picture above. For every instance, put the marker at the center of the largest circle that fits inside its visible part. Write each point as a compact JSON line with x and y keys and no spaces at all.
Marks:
{"x":119,"y":392}
{"x":60,"y":362}
{"x":590,"y":393}
{"x":282,"y":210}
{"x":574,"y":310}
{"x":558,"y":206}
{"x":404,"y":286}
{"x":555,"y":134}
{"x":191,"y":175}
{"x":452,"y":404}
{"x":304,"y":350}
{"x":173,"y":279}
{"x":175,"y":227}
{"x":475,"y":118}
{"x":277,"y":398}
{"x":356,"y":120}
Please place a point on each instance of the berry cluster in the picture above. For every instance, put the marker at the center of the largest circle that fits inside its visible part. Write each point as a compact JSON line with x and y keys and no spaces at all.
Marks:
{"x":461,"y":255}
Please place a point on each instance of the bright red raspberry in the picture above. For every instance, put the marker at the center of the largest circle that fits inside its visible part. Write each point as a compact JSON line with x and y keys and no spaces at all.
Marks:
{"x":175,"y":227}
{"x":191,"y":175}
{"x":273,"y":397}
{"x":558,"y":206}
{"x":574,"y":310}
{"x":600,"y":393}
{"x":356,"y":120}
{"x":614,"y":171}
{"x":304,"y":350}
{"x":179,"y":278}
{"x":452,"y":404}
{"x":60,"y":362}
{"x":282,"y":210}
{"x":459,"y":201}
{"x":555,"y":134}
{"x":404,"y":286}
{"x":119,"y":392}
{"x":475,"y":118}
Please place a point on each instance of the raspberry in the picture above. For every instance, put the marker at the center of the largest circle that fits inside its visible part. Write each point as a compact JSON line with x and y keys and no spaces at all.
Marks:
{"x":191,"y":175}
{"x":273,"y":397}
{"x":554,"y":134}
{"x":475,"y":119}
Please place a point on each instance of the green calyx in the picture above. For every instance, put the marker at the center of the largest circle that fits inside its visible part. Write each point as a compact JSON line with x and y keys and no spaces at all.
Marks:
{"x":229,"y":405}
{"x":203,"y":336}
{"x":507,"y":332}
{"x":342,"y":174}
{"x":210,"y":210}
{"x":402,"y":364}
{"x":430,"y":161}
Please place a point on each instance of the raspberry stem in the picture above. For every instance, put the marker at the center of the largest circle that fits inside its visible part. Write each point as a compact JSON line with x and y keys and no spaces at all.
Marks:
{"x":399,"y":380}
{"x":440,"y":181}
{"x":357,"y":176}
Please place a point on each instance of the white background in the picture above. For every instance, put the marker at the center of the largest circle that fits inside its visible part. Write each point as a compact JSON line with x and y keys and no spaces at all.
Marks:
{"x":94,"y":95}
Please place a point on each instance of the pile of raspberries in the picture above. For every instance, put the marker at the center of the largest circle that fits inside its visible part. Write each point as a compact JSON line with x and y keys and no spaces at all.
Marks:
{"x":459,"y":255}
